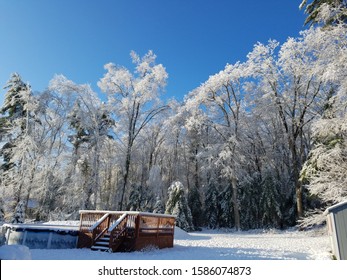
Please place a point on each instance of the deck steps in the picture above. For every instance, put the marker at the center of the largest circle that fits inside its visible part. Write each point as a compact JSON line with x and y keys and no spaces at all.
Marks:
{"x":103,"y":244}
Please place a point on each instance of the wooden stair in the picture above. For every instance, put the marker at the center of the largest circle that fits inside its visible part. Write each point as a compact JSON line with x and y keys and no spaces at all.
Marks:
{"x":102,"y":244}
{"x":111,"y":236}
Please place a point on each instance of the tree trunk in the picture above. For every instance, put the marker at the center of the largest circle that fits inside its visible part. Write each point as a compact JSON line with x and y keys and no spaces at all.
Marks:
{"x":235,"y":204}
{"x":296,"y":177}
{"x":125,"y":177}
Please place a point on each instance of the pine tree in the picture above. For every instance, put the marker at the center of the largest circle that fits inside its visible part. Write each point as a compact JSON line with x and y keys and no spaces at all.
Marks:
{"x":19,"y":215}
{"x":177,"y":205}
{"x":271,"y":214}
{"x":211,"y":207}
{"x":250,"y":189}
{"x":195,"y":206}
{"x":140,"y":199}
{"x":226,"y":208}
{"x":325,"y":170}
{"x":159,"y":207}
{"x":331,"y":11}
{"x":15,"y":152}
{"x":134,"y":203}
{"x":15,"y":116}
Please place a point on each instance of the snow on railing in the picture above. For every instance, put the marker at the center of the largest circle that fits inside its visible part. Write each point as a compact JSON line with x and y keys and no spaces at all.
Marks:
{"x":98,"y":222}
{"x":119,"y":220}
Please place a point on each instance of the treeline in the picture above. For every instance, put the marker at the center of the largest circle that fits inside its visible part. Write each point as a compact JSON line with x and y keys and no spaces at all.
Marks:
{"x":242,"y":150}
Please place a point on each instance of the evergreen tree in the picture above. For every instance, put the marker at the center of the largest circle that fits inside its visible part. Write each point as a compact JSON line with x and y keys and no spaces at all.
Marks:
{"x":140,"y":199}
{"x":16,"y":153}
{"x":177,"y":205}
{"x":19,"y":215}
{"x":195,"y":206}
{"x":134,"y":203}
{"x":270,"y":202}
{"x":159,"y":207}
{"x":226,"y":208}
{"x":15,"y":117}
{"x":330,"y":11}
{"x":325,"y":170}
{"x":211,"y":206}
{"x":250,"y":194}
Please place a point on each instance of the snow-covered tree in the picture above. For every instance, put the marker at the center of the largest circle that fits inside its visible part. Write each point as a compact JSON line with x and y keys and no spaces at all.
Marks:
{"x":211,"y":206}
{"x":18,"y":153}
{"x":140,"y":199}
{"x":226,"y":209}
{"x":250,"y":190}
{"x":326,"y":168}
{"x":325,"y":11}
{"x":177,"y":205}
{"x":195,"y":206}
{"x":89,"y":124}
{"x":19,"y":214}
{"x":134,"y":98}
{"x":221,"y":98}
{"x":159,"y":206}
{"x":15,"y":116}
{"x":296,"y":80}
{"x":270,"y":202}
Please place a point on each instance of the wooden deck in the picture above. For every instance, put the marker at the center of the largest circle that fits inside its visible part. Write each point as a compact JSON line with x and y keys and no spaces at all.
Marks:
{"x":117,"y":231}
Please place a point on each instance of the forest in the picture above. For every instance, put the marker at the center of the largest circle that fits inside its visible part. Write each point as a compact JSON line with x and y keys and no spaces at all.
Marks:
{"x":262,"y":143}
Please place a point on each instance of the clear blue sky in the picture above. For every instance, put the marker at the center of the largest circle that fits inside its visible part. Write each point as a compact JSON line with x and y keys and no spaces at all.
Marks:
{"x":191,"y":38}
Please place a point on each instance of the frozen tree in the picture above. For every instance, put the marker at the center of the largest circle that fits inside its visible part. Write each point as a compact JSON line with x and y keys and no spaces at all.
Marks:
{"x":90,"y":124}
{"x":15,"y":116}
{"x":226,"y":209}
{"x":296,"y":80}
{"x":159,"y":206}
{"x":221,"y":98}
{"x":135,"y":102}
{"x":18,"y":153}
{"x":326,"y":11}
{"x":195,"y":206}
{"x":211,"y":206}
{"x":19,"y":214}
{"x":177,"y":205}
{"x":269,"y":202}
{"x":250,"y":190}
{"x":140,"y":199}
{"x":155,"y":181}
{"x":326,"y":168}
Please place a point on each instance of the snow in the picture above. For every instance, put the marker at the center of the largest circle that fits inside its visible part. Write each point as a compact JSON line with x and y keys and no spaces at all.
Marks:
{"x":210,"y":245}
{"x":15,"y":252}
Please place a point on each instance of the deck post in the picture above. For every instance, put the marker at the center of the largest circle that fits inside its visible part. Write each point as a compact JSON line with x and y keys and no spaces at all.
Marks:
{"x":137,"y":226}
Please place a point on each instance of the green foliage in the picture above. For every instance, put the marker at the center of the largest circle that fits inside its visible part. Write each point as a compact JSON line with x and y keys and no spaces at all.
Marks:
{"x":226,"y":208}
{"x":177,"y":205}
{"x":269,"y":203}
{"x":140,"y":199}
{"x":250,"y":189}
{"x":211,"y":207}
{"x":159,"y":206}
{"x":195,"y":206}
{"x":314,"y":9}
{"x":19,"y":214}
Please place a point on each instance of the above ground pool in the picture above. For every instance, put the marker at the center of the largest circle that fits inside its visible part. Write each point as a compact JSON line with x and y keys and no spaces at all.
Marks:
{"x":40,"y":236}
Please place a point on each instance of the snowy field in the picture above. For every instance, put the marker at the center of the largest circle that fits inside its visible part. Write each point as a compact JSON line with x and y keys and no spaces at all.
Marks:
{"x":215,"y":245}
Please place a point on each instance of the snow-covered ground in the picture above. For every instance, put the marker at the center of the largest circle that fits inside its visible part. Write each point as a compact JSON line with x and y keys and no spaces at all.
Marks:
{"x":214,"y":245}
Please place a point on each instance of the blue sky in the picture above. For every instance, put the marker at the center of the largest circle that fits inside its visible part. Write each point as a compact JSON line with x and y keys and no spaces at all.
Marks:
{"x":191,"y":38}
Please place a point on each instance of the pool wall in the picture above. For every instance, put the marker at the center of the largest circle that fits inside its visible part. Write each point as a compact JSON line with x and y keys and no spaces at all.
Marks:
{"x":40,"y":237}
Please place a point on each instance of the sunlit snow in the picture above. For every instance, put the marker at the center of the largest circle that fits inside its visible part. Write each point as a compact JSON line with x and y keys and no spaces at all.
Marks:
{"x":211,"y":245}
